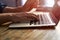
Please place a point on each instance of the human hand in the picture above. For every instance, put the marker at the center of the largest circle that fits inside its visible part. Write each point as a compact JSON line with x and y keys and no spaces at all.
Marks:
{"x":19,"y":17}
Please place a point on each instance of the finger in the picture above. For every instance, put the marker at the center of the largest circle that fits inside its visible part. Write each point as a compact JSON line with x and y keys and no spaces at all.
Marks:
{"x":33,"y":16}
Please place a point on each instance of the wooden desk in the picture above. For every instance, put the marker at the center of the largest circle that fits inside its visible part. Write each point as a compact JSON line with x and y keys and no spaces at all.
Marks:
{"x":30,"y":34}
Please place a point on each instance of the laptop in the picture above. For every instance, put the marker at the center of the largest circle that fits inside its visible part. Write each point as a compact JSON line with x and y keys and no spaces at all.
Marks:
{"x":45,"y":19}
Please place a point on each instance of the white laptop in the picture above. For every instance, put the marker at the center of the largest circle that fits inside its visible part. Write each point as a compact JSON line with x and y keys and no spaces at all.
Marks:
{"x":44,"y":20}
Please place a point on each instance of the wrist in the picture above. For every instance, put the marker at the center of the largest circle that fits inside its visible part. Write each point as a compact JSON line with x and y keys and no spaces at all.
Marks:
{"x":10,"y":16}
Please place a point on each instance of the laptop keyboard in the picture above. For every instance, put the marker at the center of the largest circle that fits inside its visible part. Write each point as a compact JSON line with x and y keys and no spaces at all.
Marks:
{"x":43,"y":19}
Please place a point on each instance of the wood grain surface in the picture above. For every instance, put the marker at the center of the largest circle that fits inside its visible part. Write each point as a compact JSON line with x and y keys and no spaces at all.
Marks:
{"x":30,"y":34}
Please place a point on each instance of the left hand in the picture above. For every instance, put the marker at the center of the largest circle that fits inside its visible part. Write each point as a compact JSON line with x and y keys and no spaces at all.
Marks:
{"x":18,"y":17}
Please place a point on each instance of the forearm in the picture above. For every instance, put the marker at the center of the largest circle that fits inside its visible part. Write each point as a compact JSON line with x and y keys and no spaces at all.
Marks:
{"x":5,"y":17}
{"x":12,"y":9}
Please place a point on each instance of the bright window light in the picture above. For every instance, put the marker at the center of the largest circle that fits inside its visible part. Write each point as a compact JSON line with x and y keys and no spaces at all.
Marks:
{"x":49,"y":3}
{"x":23,"y":2}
